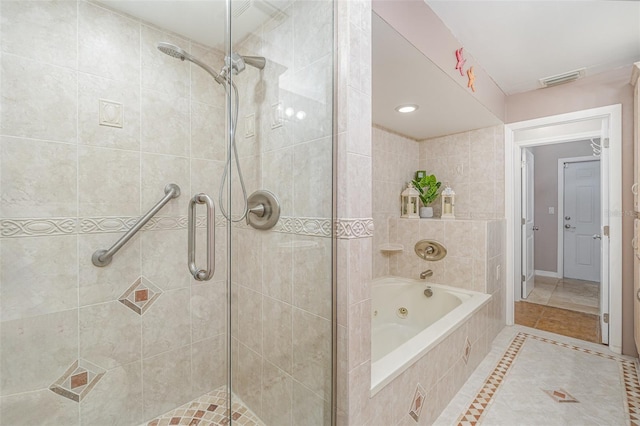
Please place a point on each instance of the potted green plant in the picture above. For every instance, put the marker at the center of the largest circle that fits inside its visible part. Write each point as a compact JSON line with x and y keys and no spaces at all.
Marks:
{"x":428,"y":187}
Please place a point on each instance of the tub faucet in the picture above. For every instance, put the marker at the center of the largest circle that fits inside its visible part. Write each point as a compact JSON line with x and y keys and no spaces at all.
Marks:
{"x":426,"y":274}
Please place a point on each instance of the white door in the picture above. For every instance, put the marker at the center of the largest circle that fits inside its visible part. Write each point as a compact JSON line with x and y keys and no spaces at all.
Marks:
{"x":528,"y":275}
{"x":582,"y":220}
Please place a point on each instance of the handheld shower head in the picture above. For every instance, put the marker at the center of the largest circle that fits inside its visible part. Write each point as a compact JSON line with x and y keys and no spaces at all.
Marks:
{"x":173,"y":51}
{"x":179,"y":53}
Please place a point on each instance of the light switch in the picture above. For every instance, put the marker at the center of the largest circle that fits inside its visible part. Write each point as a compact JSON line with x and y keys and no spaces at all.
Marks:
{"x":552,"y":210}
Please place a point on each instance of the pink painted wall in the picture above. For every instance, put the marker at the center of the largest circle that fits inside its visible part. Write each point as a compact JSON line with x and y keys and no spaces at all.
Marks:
{"x":603,"y":89}
{"x":422,"y":28}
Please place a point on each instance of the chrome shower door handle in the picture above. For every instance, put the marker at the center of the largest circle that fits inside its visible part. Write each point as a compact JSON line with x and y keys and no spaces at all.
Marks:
{"x":202,"y":274}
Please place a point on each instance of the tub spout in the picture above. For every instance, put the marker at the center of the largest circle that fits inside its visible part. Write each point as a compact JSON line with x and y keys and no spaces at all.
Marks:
{"x":426,"y":274}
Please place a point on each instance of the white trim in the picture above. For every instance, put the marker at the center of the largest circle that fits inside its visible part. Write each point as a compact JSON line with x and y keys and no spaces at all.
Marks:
{"x":560,"y":242}
{"x":613,"y":115}
{"x":549,"y":274}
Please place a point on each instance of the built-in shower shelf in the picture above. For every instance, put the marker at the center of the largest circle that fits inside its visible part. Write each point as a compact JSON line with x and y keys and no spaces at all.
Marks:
{"x":391,"y":248}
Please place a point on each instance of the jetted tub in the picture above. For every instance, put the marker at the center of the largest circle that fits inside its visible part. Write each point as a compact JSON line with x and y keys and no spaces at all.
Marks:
{"x":406,"y":324}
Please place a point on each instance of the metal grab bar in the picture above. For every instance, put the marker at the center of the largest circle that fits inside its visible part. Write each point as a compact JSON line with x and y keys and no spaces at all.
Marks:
{"x":103,"y":257}
{"x":202,"y":274}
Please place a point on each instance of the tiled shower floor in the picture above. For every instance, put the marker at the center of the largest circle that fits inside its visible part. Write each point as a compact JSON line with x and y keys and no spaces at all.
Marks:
{"x":209,"y":410}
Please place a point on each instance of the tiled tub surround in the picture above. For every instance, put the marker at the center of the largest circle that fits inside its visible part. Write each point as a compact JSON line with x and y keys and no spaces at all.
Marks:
{"x":440,"y":372}
{"x":407,"y":324}
{"x":70,"y":186}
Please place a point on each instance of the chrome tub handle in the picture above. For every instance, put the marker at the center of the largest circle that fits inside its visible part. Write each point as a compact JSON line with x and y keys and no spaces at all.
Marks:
{"x":202,"y":274}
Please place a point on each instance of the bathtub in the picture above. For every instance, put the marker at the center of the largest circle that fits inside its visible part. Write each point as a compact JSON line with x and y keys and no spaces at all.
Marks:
{"x":406,"y":324}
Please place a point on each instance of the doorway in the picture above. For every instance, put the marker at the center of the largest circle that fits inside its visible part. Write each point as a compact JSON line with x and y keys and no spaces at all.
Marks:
{"x":603,"y":123}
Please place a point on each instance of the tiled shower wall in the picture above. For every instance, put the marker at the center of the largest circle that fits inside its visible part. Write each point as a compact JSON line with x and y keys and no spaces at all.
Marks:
{"x":129,"y":341}
{"x":282,"y":278}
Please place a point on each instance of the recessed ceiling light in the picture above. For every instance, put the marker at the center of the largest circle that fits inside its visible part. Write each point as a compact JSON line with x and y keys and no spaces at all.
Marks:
{"x":406,"y":108}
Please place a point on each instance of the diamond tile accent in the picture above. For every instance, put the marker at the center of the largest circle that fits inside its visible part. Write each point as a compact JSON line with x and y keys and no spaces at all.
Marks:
{"x":477,"y":408}
{"x":140,"y":296}
{"x":417,"y":403}
{"x":467,"y":350}
{"x":78,"y":380}
{"x":560,"y":395}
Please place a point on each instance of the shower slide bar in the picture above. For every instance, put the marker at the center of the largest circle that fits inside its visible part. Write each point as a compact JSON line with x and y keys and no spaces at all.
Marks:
{"x":103,"y":257}
{"x":202,"y":274}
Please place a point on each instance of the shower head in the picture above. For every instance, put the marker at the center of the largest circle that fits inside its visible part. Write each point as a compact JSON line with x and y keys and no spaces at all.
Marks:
{"x":173,"y":51}
{"x":179,"y":53}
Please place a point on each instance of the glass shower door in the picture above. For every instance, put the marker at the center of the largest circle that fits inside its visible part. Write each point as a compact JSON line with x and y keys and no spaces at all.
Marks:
{"x":281,"y":278}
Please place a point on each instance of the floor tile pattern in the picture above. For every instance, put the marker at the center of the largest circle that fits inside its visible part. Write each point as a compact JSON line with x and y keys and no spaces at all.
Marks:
{"x":210,"y":409}
{"x":560,"y":321}
{"x":484,"y":398}
{"x":560,"y":395}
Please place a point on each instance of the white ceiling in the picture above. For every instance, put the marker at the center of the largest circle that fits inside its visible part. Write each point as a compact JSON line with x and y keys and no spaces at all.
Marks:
{"x":403,"y":75}
{"x":519,"y":42}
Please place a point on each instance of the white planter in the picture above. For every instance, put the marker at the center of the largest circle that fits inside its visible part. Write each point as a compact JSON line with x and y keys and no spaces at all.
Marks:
{"x":426,"y":212}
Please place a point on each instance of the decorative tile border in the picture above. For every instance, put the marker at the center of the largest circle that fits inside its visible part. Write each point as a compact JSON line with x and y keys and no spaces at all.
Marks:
{"x":484,"y":397}
{"x":354,"y":228}
{"x":78,"y":380}
{"x":310,"y":226}
{"x":35,"y":227}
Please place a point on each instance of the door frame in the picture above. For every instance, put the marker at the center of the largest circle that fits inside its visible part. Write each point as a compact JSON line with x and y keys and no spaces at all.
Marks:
{"x":561,"y":161}
{"x":560,"y":128}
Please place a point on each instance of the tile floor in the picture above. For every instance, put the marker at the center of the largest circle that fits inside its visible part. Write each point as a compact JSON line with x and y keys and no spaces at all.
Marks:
{"x":566,"y":293}
{"x":209,"y":410}
{"x":532,"y":377}
{"x":561,"y":321}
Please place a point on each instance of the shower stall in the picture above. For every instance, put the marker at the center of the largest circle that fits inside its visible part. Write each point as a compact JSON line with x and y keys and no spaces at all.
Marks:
{"x":166,"y":213}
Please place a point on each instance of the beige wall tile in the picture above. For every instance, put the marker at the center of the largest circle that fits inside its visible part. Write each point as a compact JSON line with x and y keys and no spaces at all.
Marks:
{"x":277,"y":177}
{"x":208,"y":132}
{"x":312,"y":275}
{"x":108,"y":182}
{"x":277,"y":396}
{"x":163,"y":258}
{"x":277,"y":260}
{"x":277,"y":320}
{"x":39,"y":20}
{"x":110,"y":334}
{"x":312,"y":352}
{"x":38,"y":178}
{"x":247,"y":378}
{"x":208,"y":310}
{"x":48,"y":346}
{"x":41,"y":407}
{"x":157,"y":172}
{"x":359,"y":333}
{"x":166,"y":381}
{"x":91,"y":89}
{"x":311,"y":179}
{"x":97,"y":285}
{"x":165,"y":125}
{"x":250,"y":319}
{"x":39,"y":276}
{"x":311,"y":18}
{"x":308,"y":408}
{"x":162,"y":72}
{"x":166,"y":325}
{"x":39,"y":100}
{"x":116,"y":399}
{"x":247,"y":249}
{"x":360,"y":267}
{"x":204,"y":88}
{"x":108,"y":43}
{"x":209,"y":364}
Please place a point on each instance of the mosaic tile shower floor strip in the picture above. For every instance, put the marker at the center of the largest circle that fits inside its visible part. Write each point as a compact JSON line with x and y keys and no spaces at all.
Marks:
{"x":621,"y":406}
{"x":209,"y":410}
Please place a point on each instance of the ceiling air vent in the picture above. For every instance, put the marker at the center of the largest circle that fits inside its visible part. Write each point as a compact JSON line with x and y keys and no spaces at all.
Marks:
{"x":566,"y":77}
